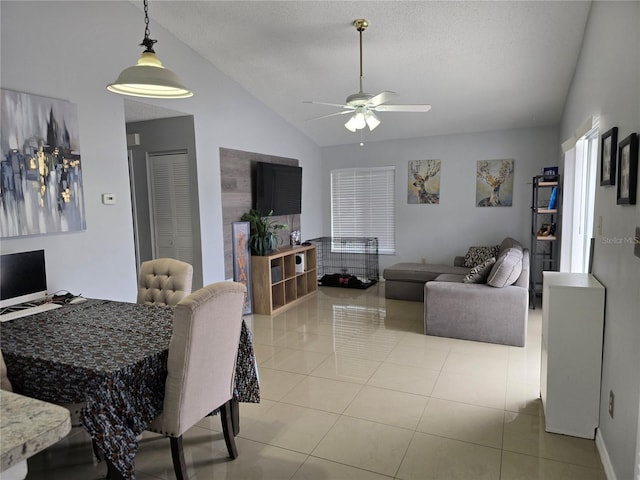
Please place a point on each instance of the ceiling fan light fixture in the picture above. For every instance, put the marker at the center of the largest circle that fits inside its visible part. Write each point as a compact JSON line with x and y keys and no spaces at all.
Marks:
{"x":372,"y":120}
{"x":364,"y":105}
{"x":149,"y":78}
{"x":358,"y":121}
{"x":351,"y":124}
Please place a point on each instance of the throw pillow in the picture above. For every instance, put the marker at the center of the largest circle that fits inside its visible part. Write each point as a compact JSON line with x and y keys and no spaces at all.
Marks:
{"x":508,"y":243}
{"x":480,"y":273}
{"x":507,"y":268}
{"x":476,"y":255}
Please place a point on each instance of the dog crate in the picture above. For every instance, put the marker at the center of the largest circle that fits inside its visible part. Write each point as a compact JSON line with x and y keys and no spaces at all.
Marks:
{"x":347,"y":261}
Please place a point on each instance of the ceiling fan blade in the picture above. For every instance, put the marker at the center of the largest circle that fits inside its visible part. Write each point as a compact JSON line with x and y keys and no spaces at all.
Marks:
{"x":339,"y":105}
{"x":402,"y":108}
{"x":330,"y":115}
{"x":382,"y":97}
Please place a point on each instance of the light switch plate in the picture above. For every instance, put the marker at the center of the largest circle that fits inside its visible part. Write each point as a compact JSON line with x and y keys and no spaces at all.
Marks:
{"x":109,"y":198}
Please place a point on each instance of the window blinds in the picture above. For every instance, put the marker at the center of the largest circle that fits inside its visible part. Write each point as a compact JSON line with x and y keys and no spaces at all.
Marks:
{"x":363,"y":205}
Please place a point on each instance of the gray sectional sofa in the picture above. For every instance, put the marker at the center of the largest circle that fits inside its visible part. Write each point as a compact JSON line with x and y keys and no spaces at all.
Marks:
{"x":488,"y":303}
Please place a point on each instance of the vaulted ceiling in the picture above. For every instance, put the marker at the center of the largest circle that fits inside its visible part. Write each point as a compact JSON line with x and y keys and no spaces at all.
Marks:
{"x":481,"y":65}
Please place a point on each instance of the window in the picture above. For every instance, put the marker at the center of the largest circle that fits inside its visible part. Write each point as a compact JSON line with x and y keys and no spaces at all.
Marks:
{"x":580,"y":172}
{"x":363,"y":205}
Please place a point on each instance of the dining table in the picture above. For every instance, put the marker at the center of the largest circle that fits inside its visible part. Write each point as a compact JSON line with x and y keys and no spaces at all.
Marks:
{"x":113,"y":356}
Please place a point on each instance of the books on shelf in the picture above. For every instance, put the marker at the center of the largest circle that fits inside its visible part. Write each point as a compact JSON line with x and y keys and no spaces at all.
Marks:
{"x":553,"y":199}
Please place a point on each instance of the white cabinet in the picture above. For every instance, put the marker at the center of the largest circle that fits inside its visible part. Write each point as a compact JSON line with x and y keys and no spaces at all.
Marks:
{"x":571,"y":363}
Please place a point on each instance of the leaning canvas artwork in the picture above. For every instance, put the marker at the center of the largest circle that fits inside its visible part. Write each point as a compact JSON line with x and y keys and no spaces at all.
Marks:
{"x":494,"y":183}
{"x":424,"y":182}
{"x":41,"y":171}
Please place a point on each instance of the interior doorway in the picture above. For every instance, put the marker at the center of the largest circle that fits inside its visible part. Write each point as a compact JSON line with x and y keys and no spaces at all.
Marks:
{"x":164,"y":185}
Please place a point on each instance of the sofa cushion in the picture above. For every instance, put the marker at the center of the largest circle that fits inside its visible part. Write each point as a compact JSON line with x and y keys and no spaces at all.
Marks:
{"x":480,"y":273}
{"x":450,"y":277}
{"x":419,"y":272}
{"x":507,"y":268}
{"x":476,"y":255}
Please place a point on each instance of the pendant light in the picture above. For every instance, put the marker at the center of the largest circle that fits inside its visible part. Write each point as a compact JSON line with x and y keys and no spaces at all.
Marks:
{"x":148,"y":78}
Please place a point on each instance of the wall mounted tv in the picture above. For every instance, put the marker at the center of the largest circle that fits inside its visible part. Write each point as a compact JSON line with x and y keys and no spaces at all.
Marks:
{"x":278,"y":189}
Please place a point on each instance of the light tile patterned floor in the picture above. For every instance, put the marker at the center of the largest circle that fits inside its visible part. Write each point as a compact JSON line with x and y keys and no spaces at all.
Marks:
{"x":352,"y":389}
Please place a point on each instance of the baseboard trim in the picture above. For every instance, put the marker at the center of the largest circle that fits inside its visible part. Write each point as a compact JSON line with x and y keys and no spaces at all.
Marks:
{"x":604,"y":457}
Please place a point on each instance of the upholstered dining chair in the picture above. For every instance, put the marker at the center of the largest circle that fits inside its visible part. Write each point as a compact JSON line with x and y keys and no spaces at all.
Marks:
{"x":201,"y":365}
{"x":164,"y":281}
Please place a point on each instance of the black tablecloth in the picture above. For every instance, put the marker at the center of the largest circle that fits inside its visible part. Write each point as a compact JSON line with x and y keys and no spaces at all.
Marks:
{"x":113,"y":355}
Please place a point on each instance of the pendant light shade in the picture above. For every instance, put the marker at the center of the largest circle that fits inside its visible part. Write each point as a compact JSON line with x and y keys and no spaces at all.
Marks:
{"x":149,"y":78}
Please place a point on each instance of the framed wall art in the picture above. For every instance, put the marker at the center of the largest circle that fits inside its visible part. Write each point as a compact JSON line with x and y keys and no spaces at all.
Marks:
{"x":424,"y":182}
{"x":242,"y":260}
{"x":40,"y":167}
{"x":608,"y":144}
{"x":628,"y":171}
{"x":494,"y":183}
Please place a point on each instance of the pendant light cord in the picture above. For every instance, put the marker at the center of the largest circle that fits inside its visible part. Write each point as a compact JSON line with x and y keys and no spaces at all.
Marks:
{"x":147,"y":42}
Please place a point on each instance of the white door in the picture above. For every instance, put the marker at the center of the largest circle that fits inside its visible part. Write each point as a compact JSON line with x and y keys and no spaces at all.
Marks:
{"x":171,"y":207}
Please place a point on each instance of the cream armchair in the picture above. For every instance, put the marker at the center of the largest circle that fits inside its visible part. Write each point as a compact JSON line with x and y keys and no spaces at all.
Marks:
{"x":164,"y":281}
{"x":201,"y":365}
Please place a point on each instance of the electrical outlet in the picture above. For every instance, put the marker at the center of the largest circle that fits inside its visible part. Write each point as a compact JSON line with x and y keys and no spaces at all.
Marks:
{"x":611,"y":400}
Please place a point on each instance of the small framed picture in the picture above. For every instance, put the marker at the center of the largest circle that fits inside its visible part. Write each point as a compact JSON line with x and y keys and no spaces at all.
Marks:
{"x":608,"y":145}
{"x":628,"y":171}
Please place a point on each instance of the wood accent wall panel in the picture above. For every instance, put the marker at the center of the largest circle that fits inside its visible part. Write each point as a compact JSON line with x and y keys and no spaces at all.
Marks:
{"x":237,"y":177}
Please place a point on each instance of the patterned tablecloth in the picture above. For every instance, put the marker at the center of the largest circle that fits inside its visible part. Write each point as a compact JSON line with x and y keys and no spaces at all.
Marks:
{"x":113,"y":355}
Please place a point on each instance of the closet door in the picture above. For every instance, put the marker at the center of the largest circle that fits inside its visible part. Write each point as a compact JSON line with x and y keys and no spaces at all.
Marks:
{"x":170,"y":203}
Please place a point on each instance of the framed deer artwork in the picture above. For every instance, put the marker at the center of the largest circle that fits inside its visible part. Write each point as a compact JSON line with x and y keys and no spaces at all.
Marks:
{"x":494,"y":183}
{"x":424,"y":182}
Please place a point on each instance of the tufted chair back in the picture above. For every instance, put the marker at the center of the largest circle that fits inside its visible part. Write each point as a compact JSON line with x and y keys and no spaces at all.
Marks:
{"x":201,"y":364}
{"x":164,"y":281}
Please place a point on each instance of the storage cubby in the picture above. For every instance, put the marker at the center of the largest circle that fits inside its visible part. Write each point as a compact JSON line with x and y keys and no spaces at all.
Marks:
{"x":283,"y":278}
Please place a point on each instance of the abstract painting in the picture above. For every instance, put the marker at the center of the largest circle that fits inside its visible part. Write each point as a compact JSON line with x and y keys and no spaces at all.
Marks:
{"x":494,"y":183}
{"x":242,"y":260}
{"x":424,"y":182}
{"x":40,"y":168}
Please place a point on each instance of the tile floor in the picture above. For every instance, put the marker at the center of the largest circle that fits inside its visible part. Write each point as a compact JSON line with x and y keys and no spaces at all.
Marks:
{"x":352,"y":389}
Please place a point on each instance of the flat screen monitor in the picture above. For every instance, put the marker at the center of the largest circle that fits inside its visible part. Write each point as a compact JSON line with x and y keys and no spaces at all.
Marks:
{"x":22,"y":278}
{"x":278,"y":189}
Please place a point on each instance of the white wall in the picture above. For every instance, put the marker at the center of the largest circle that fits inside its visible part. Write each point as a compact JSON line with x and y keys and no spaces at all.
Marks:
{"x":439,"y":232}
{"x":71,"y":51}
{"x":607,"y":83}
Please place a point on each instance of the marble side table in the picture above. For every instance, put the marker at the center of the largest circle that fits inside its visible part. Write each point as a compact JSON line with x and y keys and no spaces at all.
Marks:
{"x":28,"y":426}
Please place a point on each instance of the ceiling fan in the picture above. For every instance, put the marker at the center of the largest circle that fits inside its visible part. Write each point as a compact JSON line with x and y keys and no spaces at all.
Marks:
{"x":365,"y":105}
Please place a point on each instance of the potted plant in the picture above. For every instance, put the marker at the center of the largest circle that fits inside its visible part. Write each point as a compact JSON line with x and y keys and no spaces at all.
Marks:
{"x":263,"y":238}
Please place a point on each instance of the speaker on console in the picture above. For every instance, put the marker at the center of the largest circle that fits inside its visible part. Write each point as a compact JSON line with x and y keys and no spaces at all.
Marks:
{"x":299,"y":262}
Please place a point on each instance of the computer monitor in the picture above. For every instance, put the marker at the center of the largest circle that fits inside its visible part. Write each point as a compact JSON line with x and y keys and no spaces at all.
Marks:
{"x":22,"y":278}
